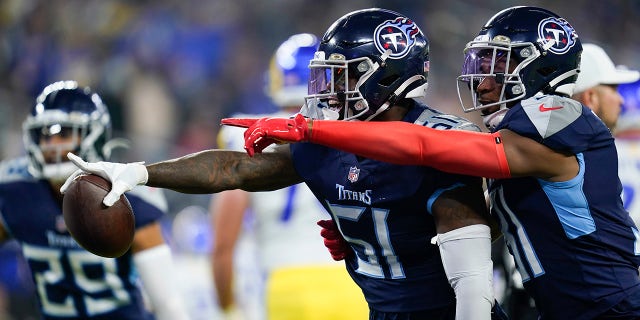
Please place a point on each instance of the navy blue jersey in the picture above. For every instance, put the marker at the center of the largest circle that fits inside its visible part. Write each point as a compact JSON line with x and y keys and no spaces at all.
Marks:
{"x":71,"y":282}
{"x":573,"y":243}
{"x":383,"y":211}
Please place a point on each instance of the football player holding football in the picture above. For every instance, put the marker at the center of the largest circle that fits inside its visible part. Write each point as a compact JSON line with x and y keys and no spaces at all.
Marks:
{"x":420,"y":236}
{"x":71,"y":282}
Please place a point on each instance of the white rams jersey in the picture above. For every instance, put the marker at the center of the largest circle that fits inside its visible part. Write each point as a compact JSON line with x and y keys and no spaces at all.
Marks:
{"x":285,"y":226}
{"x":629,"y":172}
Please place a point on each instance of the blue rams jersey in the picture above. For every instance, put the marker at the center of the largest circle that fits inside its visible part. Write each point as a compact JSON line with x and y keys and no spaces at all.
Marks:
{"x":71,"y":282}
{"x":383,"y":211}
{"x":574,"y":245}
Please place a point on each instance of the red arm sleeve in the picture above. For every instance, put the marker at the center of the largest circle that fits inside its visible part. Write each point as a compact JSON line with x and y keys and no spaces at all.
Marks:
{"x":454,"y":151}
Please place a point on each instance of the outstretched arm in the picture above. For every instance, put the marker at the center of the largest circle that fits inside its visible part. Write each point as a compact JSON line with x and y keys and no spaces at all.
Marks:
{"x":456,"y":151}
{"x":207,"y":171}
{"x":213,"y":171}
{"x":462,"y":152}
{"x":497,"y":155}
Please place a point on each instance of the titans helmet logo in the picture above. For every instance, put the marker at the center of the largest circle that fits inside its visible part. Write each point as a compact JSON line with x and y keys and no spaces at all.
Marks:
{"x":557,"y":34}
{"x":397,"y":35}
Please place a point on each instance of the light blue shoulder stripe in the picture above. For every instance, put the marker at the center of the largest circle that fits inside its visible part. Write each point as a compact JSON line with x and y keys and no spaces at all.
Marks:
{"x":15,"y":169}
{"x":636,"y":244}
{"x":437,"y":193}
{"x":570,"y":203}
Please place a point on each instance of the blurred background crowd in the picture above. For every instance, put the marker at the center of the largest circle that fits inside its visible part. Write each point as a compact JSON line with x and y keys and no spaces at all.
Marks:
{"x":169,"y":70}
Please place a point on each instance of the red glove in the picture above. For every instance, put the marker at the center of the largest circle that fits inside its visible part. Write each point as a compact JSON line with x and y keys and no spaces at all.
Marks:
{"x":338,"y":247}
{"x":263,"y":132}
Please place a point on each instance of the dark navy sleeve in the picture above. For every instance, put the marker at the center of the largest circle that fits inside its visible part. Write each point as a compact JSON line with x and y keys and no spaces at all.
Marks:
{"x":148,"y":204}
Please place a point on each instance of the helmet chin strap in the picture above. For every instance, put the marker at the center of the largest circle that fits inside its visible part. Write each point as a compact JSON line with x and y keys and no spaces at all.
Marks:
{"x":565,"y":88}
{"x":395,"y":94}
{"x":113,"y":144}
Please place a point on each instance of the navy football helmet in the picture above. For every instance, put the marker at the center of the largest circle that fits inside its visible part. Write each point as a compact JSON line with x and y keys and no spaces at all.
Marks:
{"x":629,"y":118}
{"x":64,"y":109}
{"x":367,"y":61}
{"x":289,"y":70}
{"x":528,"y":50}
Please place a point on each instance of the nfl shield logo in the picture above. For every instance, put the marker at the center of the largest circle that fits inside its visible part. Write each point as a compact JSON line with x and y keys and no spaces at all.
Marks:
{"x":354,"y":173}
{"x":60,"y":225}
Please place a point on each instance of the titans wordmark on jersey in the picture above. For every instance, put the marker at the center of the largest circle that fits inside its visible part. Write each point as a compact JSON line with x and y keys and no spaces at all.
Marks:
{"x":71,"y":282}
{"x":383,"y":211}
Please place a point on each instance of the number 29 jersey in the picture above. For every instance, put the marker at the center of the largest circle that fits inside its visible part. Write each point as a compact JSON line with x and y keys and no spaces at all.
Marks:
{"x":71,"y":282}
{"x":383,"y":211}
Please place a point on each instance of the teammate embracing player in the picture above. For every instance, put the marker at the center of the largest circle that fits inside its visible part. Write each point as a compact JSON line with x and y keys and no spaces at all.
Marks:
{"x":552,"y":162}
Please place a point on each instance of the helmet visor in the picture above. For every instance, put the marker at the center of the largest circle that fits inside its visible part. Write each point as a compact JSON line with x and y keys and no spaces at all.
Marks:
{"x":491,"y":64}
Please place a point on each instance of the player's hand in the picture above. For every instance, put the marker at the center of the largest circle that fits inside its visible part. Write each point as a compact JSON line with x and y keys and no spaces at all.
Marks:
{"x":263,"y":132}
{"x":246,"y":123}
{"x":123,"y":176}
{"x":338,"y":247}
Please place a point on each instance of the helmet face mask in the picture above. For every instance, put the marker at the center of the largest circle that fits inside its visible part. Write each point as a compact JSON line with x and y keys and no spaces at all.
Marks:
{"x":500,"y":61}
{"x":334,"y":84}
{"x":367,"y":61}
{"x":541,"y":51}
{"x":79,"y":122}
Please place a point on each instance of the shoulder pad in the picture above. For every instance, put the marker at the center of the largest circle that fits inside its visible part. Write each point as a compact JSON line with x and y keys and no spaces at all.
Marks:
{"x":153,"y":196}
{"x":437,"y":120}
{"x":14,"y":170}
{"x":550,"y":113}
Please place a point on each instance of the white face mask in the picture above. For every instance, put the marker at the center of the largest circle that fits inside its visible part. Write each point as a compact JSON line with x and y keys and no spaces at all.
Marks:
{"x":315,"y":109}
{"x":58,"y":172}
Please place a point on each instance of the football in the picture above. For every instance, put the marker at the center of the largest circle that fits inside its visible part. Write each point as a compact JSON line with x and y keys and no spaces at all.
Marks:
{"x":101,"y":230}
